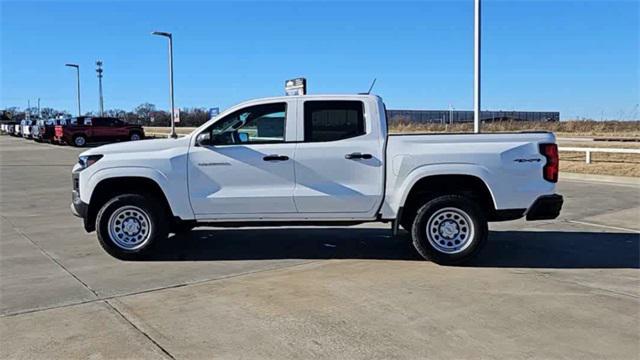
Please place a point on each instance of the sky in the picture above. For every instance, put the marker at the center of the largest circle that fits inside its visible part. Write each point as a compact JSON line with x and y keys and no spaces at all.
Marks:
{"x":581,"y":58}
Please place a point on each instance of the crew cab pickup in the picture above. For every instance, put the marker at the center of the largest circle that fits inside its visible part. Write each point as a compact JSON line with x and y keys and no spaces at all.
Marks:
{"x":81,"y":130}
{"x":316,"y":159}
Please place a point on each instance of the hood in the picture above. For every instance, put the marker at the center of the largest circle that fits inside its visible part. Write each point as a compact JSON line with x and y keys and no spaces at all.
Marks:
{"x":139,"y":146}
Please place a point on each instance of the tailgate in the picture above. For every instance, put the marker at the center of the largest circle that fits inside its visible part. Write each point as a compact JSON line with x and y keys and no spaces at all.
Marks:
{"x":58,"y":131}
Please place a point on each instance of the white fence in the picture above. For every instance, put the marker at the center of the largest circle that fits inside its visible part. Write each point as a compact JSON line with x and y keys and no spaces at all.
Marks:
{"x":588,"y":151}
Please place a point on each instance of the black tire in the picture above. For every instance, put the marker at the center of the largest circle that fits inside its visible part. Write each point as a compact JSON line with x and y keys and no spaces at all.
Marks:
{"x":79,"y":141}
{"x":451,"y":241}
{"x":134,"y":136}
{"x":150,"y":210}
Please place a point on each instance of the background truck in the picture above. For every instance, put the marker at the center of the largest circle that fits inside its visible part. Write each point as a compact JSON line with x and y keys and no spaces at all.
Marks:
{"x":81,"y":130}
{"x":316,"y":159}
{"x":44,"y":130}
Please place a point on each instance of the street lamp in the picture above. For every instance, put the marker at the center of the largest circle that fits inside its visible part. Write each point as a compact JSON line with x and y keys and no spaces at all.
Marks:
{"x":99,"y":71}
{"x":78,"y":78}
{"x":477,"y":16}
{"x":173,"y":124}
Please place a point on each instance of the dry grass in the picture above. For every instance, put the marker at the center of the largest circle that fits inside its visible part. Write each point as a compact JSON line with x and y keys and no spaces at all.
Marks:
{"x":562,"y":128}
{"x":600,"y":144}
{"x":165,"y":130}
{"x":601,"y":164}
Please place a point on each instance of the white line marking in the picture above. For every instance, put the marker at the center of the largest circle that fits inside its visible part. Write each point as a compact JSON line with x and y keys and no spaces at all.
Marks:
{"x":603,"y":226}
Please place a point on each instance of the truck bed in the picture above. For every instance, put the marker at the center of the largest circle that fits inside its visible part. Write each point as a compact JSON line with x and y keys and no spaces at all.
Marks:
{"x":510,"y":164}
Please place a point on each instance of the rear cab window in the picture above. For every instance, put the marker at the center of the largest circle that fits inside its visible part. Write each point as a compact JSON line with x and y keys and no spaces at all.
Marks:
{"x":333,"y":120}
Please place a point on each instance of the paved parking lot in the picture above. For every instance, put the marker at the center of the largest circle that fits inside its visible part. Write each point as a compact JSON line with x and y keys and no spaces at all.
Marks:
{"x":568,"y":288}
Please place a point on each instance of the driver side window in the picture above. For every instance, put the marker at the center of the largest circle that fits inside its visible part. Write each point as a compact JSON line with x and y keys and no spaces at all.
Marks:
{"x":258,"y":124}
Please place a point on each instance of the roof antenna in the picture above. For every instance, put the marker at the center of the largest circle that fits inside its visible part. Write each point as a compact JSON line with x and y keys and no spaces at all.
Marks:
{"x":371,"y":87}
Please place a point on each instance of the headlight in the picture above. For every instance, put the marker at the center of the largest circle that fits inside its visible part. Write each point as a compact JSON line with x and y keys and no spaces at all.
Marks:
{"x":88,"y":160}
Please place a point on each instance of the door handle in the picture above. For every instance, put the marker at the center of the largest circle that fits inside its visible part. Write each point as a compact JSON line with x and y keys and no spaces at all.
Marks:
{"x":275,"y":158}
{"x":357,"y":155}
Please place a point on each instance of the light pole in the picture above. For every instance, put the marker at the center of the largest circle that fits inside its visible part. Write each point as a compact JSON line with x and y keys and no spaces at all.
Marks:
{"x":476,"y":66}
{"x":450,"y":114}
{"x":78,"y":78}
{"x":173,"y":124}
{"x":99,"y":71}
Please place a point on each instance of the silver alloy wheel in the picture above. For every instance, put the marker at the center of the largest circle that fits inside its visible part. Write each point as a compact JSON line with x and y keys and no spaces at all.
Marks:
{"x":135,"y":137}
{"x":80,"y":141}
{"x":450,"y":230}
{"x":129,"y":227}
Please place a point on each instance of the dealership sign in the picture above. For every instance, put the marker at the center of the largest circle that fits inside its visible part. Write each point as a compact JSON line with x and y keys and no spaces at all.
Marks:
{"x":296,"y":86}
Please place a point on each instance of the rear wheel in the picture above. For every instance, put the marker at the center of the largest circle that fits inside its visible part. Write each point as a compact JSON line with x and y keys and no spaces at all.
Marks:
{"x":449,"y":229}
{"x":129,"y":225}
{"x":79,"y":140}
{"x":135,"y":136}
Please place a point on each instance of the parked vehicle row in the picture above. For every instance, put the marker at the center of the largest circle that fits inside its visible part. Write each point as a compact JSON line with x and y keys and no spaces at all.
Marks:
{"x":76,"y":131}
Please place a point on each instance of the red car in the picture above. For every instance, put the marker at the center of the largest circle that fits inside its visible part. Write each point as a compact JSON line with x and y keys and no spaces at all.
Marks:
{"x":84,"y":129}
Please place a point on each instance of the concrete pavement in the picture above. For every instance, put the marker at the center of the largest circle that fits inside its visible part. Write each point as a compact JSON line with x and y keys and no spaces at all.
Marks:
{"x":568,"y":288}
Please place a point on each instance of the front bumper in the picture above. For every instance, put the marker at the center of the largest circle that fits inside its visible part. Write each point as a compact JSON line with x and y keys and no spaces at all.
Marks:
{"x":78,"y":207}
{"x":546,"y":207}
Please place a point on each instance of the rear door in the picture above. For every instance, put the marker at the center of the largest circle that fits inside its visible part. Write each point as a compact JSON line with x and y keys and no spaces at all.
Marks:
{"x":339,"y":164}
{"x":117,"y":129}
{"x":98,"y":128}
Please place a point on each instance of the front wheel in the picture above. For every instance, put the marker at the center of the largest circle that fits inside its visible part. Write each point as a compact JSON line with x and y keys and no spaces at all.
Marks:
{"x":135,"y":136}
{"x":449,"y":229}
{"x":129,"y":225}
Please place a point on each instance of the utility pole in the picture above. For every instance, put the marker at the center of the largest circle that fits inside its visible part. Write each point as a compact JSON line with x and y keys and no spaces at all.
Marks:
{"x":39,"y":115}
{"x":173,"y":134}
{"x":99,"y":71}
{"x":450,"y":114}
{"x":476,"y":66}
{"x":28,"y":113}
{"x":77,"y":67}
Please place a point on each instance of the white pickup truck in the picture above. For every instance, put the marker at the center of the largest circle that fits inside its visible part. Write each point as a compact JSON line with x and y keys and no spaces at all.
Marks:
{"x":321,"y":160}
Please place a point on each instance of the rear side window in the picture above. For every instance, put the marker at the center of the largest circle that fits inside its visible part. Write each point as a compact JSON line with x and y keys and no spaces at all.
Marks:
{"x":101,"y":122}
{"x":332,"y":120}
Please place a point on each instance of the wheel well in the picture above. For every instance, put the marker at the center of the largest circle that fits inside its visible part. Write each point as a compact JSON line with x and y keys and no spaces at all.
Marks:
{"x":109,"y":188}
{"x":432,"y":186}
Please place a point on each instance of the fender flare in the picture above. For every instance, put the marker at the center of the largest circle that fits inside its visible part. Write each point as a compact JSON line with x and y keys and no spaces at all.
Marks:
{"x":400,"y":195}
{"x":130,"y":171}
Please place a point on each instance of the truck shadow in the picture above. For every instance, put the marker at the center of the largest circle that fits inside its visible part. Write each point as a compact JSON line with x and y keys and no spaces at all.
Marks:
{"x":514,"y":249}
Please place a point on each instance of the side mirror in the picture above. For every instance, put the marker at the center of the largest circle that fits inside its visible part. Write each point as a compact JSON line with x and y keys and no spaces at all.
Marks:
{"x":243,"y":136}
{"x":203,"y":139}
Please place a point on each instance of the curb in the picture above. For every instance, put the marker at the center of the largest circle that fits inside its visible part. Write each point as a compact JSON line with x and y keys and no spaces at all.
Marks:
{"x":627,"y":180}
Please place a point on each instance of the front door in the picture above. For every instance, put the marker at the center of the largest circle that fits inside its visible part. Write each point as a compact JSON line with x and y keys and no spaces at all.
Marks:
{"x":246,"y":166}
